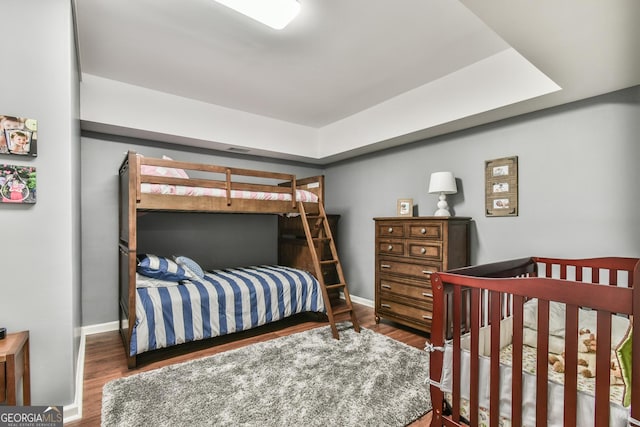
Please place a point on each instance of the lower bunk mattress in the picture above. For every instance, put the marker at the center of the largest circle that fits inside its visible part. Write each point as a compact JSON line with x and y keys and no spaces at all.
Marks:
{"x":220,"y":303}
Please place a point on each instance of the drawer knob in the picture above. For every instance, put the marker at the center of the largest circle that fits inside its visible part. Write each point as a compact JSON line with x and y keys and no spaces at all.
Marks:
{"x":390,"y":248}
{"x":423,"y":231}
{"x":423,"y":250}
{"x":426,"y":317}
{"x":427,"y":272}
{"x":385,"y":305}
{"x":426,"y":294}
{"x":385,"y":286}
{"x":385,"y":266}
{"x":390,"y":229}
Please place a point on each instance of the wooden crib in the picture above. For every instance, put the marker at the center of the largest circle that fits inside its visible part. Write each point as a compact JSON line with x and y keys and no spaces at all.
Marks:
{"x":478,"y":306}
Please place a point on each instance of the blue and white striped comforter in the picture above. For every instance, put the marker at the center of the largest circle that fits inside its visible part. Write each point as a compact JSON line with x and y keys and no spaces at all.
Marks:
{"x":223,"y":302}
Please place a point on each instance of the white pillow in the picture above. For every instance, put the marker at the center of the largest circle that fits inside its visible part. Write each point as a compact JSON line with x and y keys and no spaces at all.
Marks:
{"x":556,"y":317}
{"x":163,"y":171}
{"x":189,"y":264}
{"x":587,"y":319}
{"x":150,"y":282}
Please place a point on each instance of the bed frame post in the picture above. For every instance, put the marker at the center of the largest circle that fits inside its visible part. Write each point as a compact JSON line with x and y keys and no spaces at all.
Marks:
{"x":129,"y":196}
{"x":436,"y":357}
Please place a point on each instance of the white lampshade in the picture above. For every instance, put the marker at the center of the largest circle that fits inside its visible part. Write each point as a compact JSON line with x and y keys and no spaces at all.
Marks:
{"x":276,"y":14}
{"x":443,"y":182}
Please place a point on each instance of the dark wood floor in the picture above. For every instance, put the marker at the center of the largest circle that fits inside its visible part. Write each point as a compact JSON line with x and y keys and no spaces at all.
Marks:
{"x":105,"y":359}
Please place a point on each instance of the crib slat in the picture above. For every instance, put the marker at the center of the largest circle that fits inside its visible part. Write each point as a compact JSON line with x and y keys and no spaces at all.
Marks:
{"x":494,"y":370}
{"x":475,"y":360}
{"x":516,"y":375}
{"x":548,"y":270}
{"x":571,"y":366}
{"x":603,"y":361}
{"x":542,"y":363}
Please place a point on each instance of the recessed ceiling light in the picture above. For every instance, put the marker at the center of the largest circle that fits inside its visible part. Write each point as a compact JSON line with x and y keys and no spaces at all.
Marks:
{"x":276,"y":14}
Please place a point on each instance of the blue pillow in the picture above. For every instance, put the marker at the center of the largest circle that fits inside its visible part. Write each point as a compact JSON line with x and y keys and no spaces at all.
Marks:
{"x":162,"y":268}
{"x":190,"y":264}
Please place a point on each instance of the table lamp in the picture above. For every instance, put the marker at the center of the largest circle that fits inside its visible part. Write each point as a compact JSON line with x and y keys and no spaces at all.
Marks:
{"x":443,"y":183}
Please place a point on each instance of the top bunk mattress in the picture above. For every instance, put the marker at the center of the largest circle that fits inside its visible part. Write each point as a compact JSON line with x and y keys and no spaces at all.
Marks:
{"x":181,"y":190}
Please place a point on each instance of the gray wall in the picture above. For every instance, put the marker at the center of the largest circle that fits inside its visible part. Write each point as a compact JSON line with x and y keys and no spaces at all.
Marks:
{"x":578,"y":186}
{"x":40,"y":284}
{"x":578,"y":183}
{"x":214,"y":240}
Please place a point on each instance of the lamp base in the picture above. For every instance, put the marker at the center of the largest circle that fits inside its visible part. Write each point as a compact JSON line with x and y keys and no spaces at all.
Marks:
{"x":443,"y":206}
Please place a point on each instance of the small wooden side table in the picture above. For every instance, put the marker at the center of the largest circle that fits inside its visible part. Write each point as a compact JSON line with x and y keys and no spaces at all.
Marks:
{"x":14,"y":365}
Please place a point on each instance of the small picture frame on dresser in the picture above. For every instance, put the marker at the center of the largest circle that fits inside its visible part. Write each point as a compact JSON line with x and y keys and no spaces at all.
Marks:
{"x":405,"y":207}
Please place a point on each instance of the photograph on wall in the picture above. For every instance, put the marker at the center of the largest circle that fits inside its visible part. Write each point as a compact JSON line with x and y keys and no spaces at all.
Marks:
{"x":501,"y":187}
{"x":17,"y":184}
{"x":18,"y":135}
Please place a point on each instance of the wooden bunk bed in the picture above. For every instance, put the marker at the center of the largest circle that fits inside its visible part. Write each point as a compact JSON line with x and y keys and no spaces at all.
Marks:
{"x":153,"y":184}
{"x":498,"y":329}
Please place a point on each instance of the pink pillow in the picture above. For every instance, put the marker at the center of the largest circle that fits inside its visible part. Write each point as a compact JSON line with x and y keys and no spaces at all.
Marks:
{"x":163,"y":171}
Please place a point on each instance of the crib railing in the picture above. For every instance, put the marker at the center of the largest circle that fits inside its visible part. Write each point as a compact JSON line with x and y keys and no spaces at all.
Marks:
{"x":468,"y":299}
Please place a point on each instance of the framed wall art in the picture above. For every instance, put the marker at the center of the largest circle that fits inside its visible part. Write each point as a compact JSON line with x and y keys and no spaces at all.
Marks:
{"x":405,"y":207}
{"x":18,"y":135}
{"x":17,"y":184}
{"x":501,"y":187}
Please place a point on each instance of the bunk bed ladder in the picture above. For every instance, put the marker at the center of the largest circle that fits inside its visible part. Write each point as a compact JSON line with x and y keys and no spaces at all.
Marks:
{"x":318,"y":232}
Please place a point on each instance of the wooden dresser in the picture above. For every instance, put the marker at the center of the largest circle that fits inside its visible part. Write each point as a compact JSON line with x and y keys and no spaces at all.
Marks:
{"x":408,"y":250}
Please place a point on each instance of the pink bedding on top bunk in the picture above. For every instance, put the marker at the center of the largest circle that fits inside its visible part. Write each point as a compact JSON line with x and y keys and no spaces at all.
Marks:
{"x":180,"y":190}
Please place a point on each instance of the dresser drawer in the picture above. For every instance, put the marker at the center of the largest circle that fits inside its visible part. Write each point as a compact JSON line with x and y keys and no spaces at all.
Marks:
{"x":390,"y":229}
{"x":428,"y":230}
{"x":425,"y":249}
{"x":3,"y":384}
{"x":418,"y":270}
{"x":418,"y":315}
{"x":391,"y":247}
{"x":418,"y":292}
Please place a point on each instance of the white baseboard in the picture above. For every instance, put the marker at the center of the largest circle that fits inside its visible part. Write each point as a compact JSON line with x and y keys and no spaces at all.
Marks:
{"x":362,"y":301}
{"x":73,"y":411}
{"x":99,"y":328}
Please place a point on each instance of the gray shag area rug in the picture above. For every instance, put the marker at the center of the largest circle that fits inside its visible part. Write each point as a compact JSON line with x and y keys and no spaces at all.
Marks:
{"x":305,"y":379}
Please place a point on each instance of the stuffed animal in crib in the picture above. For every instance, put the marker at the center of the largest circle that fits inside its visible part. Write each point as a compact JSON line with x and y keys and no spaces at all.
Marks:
{"x":587,"y":345}
{"x":587,"y":342}
{"x":586,"y":363}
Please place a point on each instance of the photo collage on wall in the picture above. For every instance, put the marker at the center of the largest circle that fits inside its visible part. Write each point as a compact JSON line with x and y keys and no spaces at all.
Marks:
{"x":18,"y":137}
{"x":501,"y":187}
